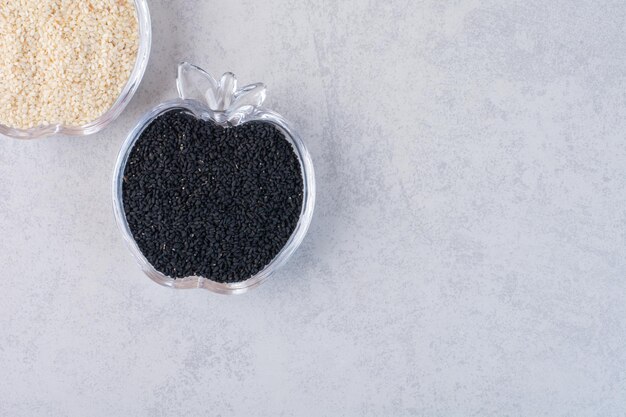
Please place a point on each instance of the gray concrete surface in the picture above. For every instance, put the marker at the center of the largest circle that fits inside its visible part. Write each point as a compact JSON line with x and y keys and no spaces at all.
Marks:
{"x":467,"y":256}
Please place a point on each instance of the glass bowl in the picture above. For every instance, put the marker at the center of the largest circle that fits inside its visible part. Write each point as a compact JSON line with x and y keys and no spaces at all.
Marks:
{"x":222,"y":103}
{"x":143,"y":54}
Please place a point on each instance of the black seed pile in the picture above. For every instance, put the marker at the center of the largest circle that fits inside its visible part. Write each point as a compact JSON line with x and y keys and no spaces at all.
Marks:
{"x":209,"y":201}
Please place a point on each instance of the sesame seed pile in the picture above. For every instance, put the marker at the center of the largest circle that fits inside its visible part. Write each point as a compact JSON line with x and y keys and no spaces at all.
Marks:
{"x":64,"y":61}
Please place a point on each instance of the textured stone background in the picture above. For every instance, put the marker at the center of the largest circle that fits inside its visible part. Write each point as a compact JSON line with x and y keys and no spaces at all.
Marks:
{"x":467,"y":256}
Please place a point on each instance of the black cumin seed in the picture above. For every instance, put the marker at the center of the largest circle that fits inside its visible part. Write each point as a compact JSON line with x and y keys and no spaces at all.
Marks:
{"x":205,"y":200}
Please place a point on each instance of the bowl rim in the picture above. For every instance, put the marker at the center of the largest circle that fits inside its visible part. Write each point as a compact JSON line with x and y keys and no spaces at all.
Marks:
{"x":129,"y":90}
{"x":201,"y":111}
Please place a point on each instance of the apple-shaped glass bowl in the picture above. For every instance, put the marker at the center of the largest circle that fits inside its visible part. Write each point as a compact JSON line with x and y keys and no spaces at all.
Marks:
{"x":141,"y":63}
{"x":223,"y":103}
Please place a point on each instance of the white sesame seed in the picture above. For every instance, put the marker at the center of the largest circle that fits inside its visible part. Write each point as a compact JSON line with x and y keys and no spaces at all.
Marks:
{"x":59,"y":64}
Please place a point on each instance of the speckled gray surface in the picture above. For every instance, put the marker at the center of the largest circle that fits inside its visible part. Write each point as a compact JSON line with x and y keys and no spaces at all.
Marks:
{"x":467,"y":256}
